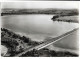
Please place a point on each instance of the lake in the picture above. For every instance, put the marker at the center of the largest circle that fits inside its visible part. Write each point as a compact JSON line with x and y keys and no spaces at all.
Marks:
{"x":39,"y":27}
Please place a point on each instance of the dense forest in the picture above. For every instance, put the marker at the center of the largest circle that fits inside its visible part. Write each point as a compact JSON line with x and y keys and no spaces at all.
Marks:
{"x":16,"y":44}
{"x":48,"y":53}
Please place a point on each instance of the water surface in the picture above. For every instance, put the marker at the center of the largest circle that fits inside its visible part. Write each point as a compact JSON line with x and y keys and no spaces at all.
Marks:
{"x":39,"y":27}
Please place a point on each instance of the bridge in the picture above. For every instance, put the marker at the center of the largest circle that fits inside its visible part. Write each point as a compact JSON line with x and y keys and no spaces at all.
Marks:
{"x":47,"y":43}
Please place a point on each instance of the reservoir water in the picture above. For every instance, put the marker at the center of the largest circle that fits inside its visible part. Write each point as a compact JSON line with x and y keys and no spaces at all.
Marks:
{"x":40,"y":27}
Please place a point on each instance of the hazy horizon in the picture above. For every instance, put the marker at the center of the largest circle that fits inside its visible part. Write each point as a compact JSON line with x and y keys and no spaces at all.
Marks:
{"x":40,"y":5}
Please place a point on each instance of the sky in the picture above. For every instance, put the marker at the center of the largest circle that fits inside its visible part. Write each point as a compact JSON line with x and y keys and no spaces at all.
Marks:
{"x":41,"y":4}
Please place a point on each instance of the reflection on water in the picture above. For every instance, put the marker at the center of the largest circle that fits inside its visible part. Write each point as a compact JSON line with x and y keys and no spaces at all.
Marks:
{"x":37,"y":27}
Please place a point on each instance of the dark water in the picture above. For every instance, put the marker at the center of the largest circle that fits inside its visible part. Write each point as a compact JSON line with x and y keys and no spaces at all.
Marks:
{"x":40,"y":27}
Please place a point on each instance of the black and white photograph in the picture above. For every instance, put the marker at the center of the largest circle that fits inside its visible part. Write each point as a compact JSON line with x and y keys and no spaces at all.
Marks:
{"x":40,"y":29}
{"x":40,"y":0}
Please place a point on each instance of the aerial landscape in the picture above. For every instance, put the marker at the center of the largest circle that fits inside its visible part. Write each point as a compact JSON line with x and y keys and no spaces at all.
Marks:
{"x":31,"y":29}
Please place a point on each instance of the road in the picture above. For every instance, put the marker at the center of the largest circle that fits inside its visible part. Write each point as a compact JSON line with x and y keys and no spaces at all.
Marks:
{"x":47,"y":43}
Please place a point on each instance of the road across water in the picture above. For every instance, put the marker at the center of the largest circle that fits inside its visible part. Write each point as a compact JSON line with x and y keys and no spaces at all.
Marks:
{"x":47,"y":43}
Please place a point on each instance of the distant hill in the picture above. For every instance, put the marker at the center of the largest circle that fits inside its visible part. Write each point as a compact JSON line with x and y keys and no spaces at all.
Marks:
{"x":40,"y":11}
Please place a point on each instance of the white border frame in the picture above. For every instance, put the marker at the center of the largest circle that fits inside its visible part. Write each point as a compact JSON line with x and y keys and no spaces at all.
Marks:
{"x":41,"y":57}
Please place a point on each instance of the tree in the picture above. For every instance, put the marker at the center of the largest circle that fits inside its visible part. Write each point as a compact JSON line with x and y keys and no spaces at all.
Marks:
{"x":25,"y":39}
{"x":15,"y":36}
